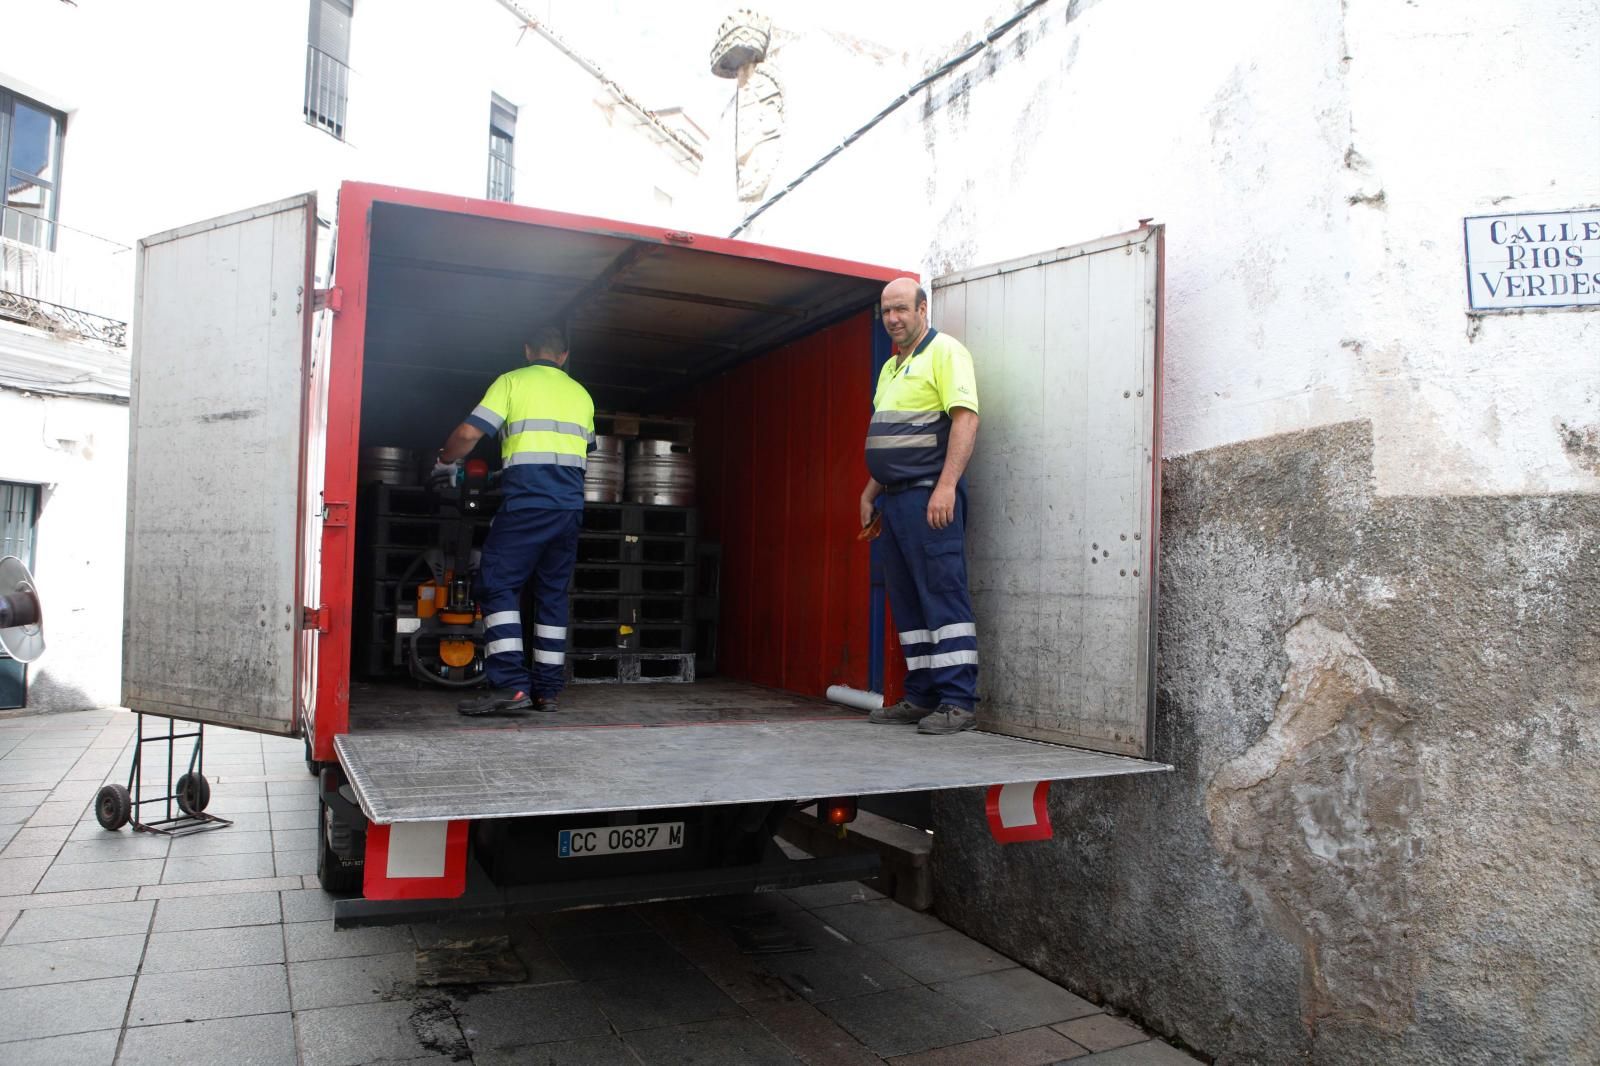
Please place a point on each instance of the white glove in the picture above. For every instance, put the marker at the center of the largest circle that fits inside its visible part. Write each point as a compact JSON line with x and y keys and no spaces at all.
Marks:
{"x":444,"y":474}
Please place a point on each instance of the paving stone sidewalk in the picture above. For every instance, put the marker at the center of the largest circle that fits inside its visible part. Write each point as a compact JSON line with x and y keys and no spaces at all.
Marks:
{"x":131,"y":948}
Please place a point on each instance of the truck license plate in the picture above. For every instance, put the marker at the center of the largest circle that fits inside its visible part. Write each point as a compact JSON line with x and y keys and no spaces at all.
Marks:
{"x":613,"y":839}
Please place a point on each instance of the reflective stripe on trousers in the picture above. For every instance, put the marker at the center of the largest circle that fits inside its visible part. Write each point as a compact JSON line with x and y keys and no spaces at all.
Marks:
{"x":536,"y":547}
{"x":926,"y":573}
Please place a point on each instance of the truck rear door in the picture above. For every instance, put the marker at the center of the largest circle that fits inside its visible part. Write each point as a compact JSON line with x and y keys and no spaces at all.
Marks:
{"x":1064,"y":486}
{"x":217,"y":542}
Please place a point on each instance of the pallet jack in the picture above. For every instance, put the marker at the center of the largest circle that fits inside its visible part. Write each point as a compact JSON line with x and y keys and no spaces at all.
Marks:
{"x":440,"y":632}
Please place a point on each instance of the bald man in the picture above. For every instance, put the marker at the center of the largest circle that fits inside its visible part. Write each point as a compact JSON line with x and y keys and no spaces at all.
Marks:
{"x":924,"y":424}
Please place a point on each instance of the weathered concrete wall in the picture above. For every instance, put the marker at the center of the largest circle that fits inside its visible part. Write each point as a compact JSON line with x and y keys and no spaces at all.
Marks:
{"x":1378,"y":842}
{"x":77,"y":451}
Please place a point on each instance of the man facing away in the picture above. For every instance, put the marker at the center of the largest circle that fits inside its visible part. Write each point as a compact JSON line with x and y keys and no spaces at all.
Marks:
{"x":924,"y":424}
{"x":546,"y":425}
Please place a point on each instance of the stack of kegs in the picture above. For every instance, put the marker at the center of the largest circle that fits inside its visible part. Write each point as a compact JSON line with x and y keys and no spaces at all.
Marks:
{"x":660,"y":473}
{"x":602,"y":478}
{"x":392,"y":466}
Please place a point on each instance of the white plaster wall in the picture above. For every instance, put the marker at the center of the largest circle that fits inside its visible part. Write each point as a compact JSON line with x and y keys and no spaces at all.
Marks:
{"x":1287,"y":305}
{"x":78,"y":450}
{"x":186,"y":109}
{"x":1471,"y":108}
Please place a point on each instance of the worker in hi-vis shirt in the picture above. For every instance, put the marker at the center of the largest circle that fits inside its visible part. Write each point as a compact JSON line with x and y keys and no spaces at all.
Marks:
{"x":924,"y":425}
{"x":546,"y":425}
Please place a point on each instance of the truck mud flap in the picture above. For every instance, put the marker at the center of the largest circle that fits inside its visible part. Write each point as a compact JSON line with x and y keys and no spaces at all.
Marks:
{"x":484,"y":900}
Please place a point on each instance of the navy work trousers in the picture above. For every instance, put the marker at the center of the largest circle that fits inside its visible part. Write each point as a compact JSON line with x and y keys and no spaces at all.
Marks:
{"x":926,"y":571}
{"x":537,"y":546}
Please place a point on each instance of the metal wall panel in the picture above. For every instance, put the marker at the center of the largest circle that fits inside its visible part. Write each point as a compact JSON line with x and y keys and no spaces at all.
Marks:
{"x":213,"y":615}
{"x":1063,"y":487}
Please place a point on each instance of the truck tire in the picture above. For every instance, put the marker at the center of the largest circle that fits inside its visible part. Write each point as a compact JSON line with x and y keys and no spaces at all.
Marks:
{"x":336,"y":876}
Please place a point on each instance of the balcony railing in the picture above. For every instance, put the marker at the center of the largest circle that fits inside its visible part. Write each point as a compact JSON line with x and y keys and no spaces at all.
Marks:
{"x":502,"y":176}
{"x":327,"y":91}
{"x":83,"y":286}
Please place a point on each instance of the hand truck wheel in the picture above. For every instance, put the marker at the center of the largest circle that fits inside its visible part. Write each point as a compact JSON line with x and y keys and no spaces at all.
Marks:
{"x":113,"y":806}
{"x":193,"y":793}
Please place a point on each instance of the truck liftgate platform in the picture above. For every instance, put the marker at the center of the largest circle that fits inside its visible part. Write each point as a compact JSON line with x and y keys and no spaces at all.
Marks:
{"x":525,"y":769}
{"x":572,"y":771}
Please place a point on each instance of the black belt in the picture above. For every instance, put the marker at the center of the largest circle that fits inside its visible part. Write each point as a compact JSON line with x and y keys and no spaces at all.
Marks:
{"x":896,"y":488}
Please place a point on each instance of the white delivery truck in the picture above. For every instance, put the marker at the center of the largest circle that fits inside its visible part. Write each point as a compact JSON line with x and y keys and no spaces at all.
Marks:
{"x":254,"y":393}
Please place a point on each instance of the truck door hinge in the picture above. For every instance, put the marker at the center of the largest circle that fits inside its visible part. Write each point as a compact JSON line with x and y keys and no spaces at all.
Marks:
{"x":335,"y":513}
{"x":314,"y":618}
{"x":331,"y":299}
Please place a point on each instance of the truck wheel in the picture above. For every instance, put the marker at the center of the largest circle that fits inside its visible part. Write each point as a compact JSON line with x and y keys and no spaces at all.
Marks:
{"x":193,"y":794}
{"x":336,"y":876}
{"x":113,"y":806}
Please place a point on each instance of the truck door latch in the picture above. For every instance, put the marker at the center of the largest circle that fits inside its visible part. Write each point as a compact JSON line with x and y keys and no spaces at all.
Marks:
{"x":314,"y":618}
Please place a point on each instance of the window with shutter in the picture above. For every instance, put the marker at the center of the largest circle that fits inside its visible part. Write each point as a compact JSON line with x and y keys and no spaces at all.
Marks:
{"x":328,"y":65}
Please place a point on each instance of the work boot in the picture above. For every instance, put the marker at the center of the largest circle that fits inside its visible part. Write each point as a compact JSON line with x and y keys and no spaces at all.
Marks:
{"x":903,"y":713}
{"x":946,"y":720}
{"x":496,"y":701}
{"x":547,"y":704}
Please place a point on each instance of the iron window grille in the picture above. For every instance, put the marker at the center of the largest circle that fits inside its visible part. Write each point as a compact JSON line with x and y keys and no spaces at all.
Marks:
{"x":502,"y":146}
{"x":328,"y":65}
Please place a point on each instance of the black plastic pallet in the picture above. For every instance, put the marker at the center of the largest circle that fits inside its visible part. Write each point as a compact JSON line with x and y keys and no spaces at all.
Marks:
{"x":664,"y":610}
{"x":629,"y":669}
{"x":379,"y":498}
{"x":588,"y":609}
{"x":603,"y":548}
{"x":411,"y":501}
{"x":640,"y":520}
{"x":672,"y":669}
{"x":662,"y":551}
{"x":420,"y":533}
{"x":664,"y":639}
{"x":666,"y":580}
{"x":631,"y":579}
{"x":591,"y":639}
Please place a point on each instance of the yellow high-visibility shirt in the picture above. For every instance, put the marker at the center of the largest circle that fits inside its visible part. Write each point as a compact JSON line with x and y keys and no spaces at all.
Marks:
{"x":546,"y":425}
{"x":910,"y":428}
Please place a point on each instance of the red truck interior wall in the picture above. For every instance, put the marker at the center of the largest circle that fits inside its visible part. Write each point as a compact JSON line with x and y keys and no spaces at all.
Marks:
{"x":779,"y":464}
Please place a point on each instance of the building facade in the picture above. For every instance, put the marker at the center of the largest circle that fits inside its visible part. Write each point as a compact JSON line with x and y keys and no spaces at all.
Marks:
{"x":119,"y":121}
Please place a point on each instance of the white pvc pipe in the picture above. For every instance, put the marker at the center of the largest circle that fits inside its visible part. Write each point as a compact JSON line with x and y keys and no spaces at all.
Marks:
{"x":854,"y":697}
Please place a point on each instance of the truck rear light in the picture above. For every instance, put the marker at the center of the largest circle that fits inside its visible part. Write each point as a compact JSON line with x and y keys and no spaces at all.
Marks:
{"x":838,"y":811}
